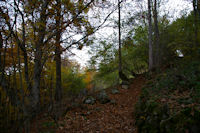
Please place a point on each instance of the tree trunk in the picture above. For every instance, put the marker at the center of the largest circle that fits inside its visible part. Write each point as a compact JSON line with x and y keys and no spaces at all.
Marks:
{"x":157,"y":59}
{"x":58,"y":91}
{"x":26,"y":73}
{"x":14,"y":67}
{"x":1,"y":46}
{"x":23,"y":106}
{"x":35,"y":91}
{"x":39,"y":44}
{"x":151,"y":66}
{"x":195,"y":22}
{"x":24,"y":51}
{"x":198,"y":8}
{"x":122,"y":76}
{"x":119,"y":28}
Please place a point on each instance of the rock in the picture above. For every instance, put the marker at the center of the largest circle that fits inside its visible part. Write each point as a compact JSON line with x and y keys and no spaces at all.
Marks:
{"x":125,"y":86}
{"x":88,"y":113}
{"x":89,"y":100}
{"x":103,"y":97}
{"x":115,"y":91}
{"x":125,"y":83}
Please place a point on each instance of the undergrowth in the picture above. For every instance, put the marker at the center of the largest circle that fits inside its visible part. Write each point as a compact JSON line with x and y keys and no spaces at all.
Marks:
{"x":170,"y":100}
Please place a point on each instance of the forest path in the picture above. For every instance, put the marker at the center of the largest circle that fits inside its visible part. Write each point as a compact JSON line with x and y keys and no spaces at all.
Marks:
{"x":105,"y":118}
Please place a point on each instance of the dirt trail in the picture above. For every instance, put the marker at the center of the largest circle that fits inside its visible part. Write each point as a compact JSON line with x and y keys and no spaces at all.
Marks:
{"x":105,"y":118}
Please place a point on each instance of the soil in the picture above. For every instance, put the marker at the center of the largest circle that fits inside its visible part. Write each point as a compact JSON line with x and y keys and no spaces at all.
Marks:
{"x":114,"y":117}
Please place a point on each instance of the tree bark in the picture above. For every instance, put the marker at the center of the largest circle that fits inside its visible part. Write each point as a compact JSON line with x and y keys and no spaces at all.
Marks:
{"x":14,"y":66}
{"x":119,"y":28}
{"x":1,"y":46}
{"x":122,"y":76}
{"x":58,"y":91}
{"x":35,"y":91}
{"x":195,"y":21}
{"x":22,"y":45}
{"x":198,"y":8}
{"x":157,"y":59}
{"x":151,"y":66}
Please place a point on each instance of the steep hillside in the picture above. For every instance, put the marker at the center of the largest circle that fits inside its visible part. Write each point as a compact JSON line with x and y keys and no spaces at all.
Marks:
{"x":170,"y":101}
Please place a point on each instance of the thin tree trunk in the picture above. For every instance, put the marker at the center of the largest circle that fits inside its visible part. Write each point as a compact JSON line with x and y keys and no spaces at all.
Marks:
{"x":22,"y":45}
{"x":119,"y":28}
{"x":58,"y":91}
{"x":150,"y":37}
{"x":1,"y":46}
{"x":195,"y":22}
{"x":26,"y":73}
{"x":14,"y":66}
{"x":20,"y":75}
{"x":51,"y":92}
{"x":157,"y":58}
{"x":122,"y":76}
{"x":198,"y":8}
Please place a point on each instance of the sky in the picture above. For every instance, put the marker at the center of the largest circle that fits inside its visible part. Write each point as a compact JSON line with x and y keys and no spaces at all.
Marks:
{"x":174,"y":8}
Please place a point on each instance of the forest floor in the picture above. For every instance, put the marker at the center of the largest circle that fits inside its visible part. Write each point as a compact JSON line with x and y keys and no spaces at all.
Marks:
{"x":105,"y":118}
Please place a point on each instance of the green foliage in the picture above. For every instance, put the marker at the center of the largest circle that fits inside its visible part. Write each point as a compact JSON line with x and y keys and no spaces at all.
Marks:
{"x":178,"y":88}
{"x":72,"y":82}
{"x":134,"y":60}
{"x":181,"y":35}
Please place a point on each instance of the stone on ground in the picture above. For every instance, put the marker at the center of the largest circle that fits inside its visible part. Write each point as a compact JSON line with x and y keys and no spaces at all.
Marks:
{"x":89,"y":100}
{"x":103,"y":97}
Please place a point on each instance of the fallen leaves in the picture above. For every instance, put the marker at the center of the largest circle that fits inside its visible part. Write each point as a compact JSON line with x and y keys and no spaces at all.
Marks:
{"x":105,"y":117}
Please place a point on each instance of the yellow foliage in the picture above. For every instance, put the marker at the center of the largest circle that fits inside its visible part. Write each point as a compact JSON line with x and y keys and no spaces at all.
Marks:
{"x":88,"y":78}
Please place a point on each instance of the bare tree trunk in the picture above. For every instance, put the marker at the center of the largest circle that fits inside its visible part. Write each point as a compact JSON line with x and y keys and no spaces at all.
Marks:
{"x":58,"y":91}
{"x":157,"y":59}
{"x":14,"y":67}
{"x":22,"y":45}
{"x":151,"y":65}
{"x":195,"y":21}
{"x":35,"y":91}
{"x":122,"y":76}
{"x":19,"y":69}
{"x":23,"y":106}
{"x":1,"y":46}
{"x":51,"y":91}
{"x":26,"y":73}
{"x":119,"y":28}
{"x":198,"y":8}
